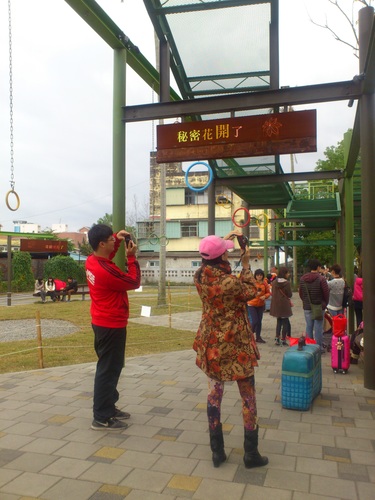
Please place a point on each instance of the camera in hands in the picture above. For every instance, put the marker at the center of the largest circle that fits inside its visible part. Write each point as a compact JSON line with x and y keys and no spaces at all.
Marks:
{"x":128,"y":238}
{"x":242,"y":241}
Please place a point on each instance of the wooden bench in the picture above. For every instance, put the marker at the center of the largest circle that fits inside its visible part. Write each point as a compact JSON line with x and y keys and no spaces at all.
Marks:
{"x":82,"y":290}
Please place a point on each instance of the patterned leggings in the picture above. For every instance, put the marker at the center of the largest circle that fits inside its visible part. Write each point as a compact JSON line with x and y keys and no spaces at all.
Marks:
{"x":249,"y":408}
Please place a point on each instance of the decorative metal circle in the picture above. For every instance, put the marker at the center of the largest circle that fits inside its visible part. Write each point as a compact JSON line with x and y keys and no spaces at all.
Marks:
{"x":210,"y":174}
{"x":247,"y":220}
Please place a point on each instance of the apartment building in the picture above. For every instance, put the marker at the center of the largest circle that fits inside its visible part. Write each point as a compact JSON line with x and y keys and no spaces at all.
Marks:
{"x":186,"y":224}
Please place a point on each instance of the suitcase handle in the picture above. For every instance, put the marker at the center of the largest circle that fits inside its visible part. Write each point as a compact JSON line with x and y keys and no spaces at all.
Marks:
{"x":301,"y":343}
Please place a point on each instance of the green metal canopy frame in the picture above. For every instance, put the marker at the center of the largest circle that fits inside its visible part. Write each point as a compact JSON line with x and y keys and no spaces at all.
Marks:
{"x":206,"y":91}
{"x":247,"y":84}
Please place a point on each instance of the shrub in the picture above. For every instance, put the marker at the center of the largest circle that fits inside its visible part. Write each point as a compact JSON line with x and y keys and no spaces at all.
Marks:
{"x":61,"y":267}
{"x":23,"y":279}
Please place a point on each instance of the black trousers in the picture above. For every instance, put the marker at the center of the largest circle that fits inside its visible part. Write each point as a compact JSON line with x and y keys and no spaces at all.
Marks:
{"x":283,"y":325}
{"x":109,"y":346}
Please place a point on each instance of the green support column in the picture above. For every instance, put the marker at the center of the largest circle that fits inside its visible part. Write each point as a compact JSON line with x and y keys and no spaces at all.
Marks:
{"x":211,"y":208}
{"x":246,"y":229}
{"x":348,"y":230}
{"x":367,"y":134}
{"x":340,"y":241}
{"x":349,"y":243}
{"x":118,"y":145}
{"x":277,"y":238}
{"x":265,"y":249}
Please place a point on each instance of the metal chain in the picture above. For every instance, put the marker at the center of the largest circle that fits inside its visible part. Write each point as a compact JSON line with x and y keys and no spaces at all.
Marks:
{"x":12,"y":183}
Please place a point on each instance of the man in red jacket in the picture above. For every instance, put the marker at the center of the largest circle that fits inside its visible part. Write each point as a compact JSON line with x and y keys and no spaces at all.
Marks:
{"x":108,"y":287}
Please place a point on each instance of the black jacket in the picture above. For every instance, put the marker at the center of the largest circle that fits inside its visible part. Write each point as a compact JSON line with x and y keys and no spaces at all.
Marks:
{"x":317,"y":290}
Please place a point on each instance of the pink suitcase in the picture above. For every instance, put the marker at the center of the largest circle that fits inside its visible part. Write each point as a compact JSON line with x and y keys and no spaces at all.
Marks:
{"x":340,"y":354}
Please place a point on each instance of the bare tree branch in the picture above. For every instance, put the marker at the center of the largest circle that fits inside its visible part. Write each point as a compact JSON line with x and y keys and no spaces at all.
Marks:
{"x":364,"y":2}
{"x":336,"y":37}
{"x":335,"y":3}
{"x":350,"y":21}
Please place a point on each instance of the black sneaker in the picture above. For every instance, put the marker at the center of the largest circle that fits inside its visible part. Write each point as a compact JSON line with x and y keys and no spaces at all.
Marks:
{"x":121,"y":415}
{"x":260,"y":341}
{"x":277,"y":341}
{"x":284,"y":342}
{"x":112,"y":424}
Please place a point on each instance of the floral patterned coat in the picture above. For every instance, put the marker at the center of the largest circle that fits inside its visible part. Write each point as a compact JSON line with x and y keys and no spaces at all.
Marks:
{"x":225,"y":345}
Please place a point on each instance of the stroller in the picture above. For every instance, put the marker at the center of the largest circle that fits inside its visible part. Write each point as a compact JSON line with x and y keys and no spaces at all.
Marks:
{"x":327,"y":331}
{"x":356,"y":345}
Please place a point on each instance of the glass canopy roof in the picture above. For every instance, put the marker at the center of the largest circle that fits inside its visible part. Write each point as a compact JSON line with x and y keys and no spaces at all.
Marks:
{"x":225,"y":47}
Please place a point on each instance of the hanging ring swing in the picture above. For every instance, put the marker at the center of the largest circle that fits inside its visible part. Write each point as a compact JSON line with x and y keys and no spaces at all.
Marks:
{"x":12,"y":183}
{"x":13,"y":209}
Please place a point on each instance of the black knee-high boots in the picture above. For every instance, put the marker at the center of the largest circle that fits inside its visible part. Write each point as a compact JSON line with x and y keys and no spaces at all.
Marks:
{"x":217,"y":446}
{"x":252,"y":457}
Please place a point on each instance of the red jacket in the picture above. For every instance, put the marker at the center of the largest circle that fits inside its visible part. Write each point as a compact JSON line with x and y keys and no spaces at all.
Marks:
{"x":108,"y":287}
{"x":59,"y":285}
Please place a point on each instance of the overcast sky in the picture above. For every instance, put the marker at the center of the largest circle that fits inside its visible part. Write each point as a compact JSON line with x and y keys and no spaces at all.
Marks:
{"x":62,"y":88}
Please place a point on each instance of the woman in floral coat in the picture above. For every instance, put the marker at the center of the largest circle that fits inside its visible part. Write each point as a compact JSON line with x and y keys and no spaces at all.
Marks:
{"x":225,"y":344}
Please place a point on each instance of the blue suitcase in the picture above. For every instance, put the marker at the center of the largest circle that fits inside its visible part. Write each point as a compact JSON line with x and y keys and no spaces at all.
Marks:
{"x":301,"y":377}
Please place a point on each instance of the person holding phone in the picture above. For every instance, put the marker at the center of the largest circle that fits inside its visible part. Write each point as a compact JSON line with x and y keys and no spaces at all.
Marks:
{"x":256,"y":305}
{"x":225,"y":344}
{"x":108,"y":287}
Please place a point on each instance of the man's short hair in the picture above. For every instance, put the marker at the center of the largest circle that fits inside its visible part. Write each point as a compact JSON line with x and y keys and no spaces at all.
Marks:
{"x":314,"y":264}
{"x":98,"y":233}
{"x":336,"y":268}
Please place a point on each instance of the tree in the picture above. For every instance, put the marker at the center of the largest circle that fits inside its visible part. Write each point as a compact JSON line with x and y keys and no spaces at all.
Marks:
{"x":85,"y":248}
{"x":23,"y":279}
{"x":106,"y":219}
{"x":334,"y":158}
{"x":136,"y":212}
{"x":325,"y":254}
{"x":71,"y":246}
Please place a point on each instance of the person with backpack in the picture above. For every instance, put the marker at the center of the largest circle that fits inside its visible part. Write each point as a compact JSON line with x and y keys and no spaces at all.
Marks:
{"x":281,"y":306}
{"x":336,"y":286}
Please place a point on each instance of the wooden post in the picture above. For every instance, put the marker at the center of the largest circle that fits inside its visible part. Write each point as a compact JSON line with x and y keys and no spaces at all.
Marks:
{"x":169,"y":305}
{"x":39,"y":337}
{"x":9,"y":264}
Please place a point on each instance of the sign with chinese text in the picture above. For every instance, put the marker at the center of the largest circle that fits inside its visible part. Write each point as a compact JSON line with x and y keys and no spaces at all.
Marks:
{"x":50,"y":246}
{"x":259,"y":135}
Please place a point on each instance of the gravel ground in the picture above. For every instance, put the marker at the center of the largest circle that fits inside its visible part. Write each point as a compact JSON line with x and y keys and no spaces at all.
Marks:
{"x":25,"y":329}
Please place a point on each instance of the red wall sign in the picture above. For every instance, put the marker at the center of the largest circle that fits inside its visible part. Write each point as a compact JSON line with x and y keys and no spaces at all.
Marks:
{"x":259,"y":135}
{"x":51,"y":246}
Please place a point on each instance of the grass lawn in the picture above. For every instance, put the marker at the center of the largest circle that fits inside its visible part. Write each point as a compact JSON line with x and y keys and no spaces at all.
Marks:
{"x":78,"y":347}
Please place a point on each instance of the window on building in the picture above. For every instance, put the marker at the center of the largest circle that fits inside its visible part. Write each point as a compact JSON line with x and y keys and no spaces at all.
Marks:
{"x":189,"y":197}
{"x":147,"y":228}
{"x":189,"y":228}
{"x":254,"y":232}
{"x":153,"y":263}
{"x":196,"y":263}
{"x":194,"y":198}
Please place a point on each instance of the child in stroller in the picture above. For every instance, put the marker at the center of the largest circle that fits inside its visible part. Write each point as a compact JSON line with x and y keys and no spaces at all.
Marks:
{"x":327,"y":331}
{"x":356,"y":344}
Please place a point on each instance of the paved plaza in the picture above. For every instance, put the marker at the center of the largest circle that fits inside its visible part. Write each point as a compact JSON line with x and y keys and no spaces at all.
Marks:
{"x":48,"y":451}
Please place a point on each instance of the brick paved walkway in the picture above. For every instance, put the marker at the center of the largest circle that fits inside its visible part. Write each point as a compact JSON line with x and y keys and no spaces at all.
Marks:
{"x":48,"y":451}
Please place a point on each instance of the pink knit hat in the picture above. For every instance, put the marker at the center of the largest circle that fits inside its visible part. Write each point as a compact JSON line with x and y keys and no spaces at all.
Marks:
{"x":212,"y":247}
